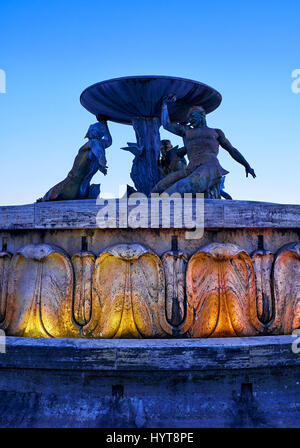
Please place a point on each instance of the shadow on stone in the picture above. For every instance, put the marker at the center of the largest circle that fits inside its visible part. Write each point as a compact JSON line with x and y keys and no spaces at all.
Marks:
{"x":246,"y":412}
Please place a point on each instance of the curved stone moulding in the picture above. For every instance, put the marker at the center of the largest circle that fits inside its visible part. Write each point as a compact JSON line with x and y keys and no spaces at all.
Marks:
{"x":221,"y":292}
{"x":286,"y":283}
{"x":40,"y":293}
{"x":83,"y":264}
{"x":5,"y":258}
{"x":128,"y":294}
{"x":262,"y":263}
{"x":174,"y":264}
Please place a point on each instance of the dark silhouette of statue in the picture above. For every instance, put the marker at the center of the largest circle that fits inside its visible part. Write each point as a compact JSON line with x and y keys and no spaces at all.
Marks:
{"x":172,"y":158}
{"x":204,"y":172}
{"x":90,"y":158}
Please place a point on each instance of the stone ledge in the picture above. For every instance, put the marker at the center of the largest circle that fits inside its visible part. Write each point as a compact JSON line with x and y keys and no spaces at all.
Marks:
{"x":149,"y":355}
{"x":82,"y":214}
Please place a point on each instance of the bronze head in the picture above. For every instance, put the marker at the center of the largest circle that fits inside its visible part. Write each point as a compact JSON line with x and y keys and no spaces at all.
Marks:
{"x":197,"y":117}
{"x":95,"y":131}
{"x":165,"y":146}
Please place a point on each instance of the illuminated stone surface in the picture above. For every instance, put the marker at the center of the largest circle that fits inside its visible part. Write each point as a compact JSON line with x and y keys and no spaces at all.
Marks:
{"x":128,"y":294}
{"x":221,"y":291}
{"x":219,"y":214}
{"x":137,"y":286}
{"x":286,"y":281}
{"x":83,"y":264}
{"x":262,"y":263}
{"x":40,"y":293}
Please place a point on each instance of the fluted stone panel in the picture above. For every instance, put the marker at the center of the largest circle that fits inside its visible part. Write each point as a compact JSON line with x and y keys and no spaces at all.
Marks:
{"x":262,"y":263}
{"x":128,"y":294}
{"x":128,"y":291}
{"x":83,"y":264}
{"x":286,"y":282}
{"x":221,"y":291}
{"x":40,"y":293}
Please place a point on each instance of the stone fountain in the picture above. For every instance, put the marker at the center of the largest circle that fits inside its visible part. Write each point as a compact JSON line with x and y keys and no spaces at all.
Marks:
{"x":110,"y":324}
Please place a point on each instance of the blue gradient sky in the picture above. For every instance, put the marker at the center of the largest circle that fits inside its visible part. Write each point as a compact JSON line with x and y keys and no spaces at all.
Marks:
{"x":52,"y":50}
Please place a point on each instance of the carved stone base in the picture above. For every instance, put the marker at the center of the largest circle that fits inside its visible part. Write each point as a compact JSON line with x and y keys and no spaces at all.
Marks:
{"x":61,"y":276}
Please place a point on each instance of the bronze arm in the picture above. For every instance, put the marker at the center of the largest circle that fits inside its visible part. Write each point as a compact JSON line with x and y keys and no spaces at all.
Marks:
{"x":235,"y":154}
{"x":175,"y":128}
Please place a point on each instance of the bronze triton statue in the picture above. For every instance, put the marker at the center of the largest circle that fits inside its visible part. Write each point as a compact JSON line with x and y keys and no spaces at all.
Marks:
{"x":90,"y":158}
{"x":204,"y":172}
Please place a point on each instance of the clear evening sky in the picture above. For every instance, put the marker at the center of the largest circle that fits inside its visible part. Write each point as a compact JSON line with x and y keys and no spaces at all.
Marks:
{"x":52,"y":50}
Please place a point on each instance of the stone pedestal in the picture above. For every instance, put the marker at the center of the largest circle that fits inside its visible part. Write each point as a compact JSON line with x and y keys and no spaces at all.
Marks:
{"x":225,"y":382}
{"x":207,"y":317}
{"x":63,"y":276}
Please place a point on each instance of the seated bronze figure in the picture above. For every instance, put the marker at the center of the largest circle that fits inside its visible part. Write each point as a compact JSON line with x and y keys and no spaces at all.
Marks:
{"x":172,"y":158}
{"x":204,"y":172}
